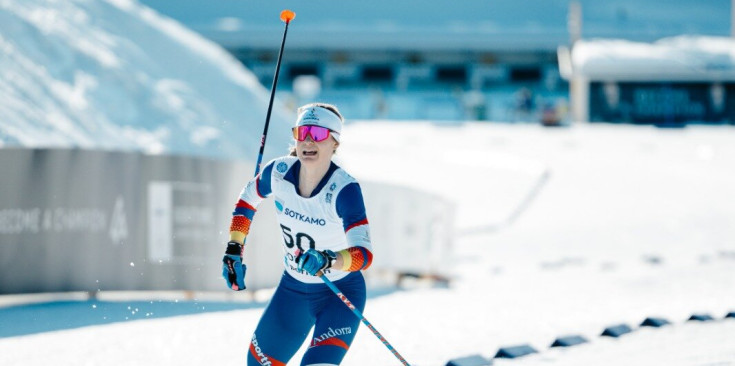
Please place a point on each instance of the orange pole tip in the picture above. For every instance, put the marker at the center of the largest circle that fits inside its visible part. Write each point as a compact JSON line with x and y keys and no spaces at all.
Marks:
{"x":287,"y":15}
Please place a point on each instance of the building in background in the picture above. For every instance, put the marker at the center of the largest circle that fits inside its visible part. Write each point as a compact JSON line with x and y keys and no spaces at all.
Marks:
{"x":669,"y":82}
{"x":439,"y":60}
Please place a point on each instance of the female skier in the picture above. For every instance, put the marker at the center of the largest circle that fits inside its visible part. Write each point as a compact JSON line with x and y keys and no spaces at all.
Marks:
{"x":325,"y":232}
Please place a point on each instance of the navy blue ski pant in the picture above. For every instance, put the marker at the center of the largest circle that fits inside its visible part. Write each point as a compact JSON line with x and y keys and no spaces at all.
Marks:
{"x":294,"y":309}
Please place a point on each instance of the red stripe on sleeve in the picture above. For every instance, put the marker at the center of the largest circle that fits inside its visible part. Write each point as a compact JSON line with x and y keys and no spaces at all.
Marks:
{"x":243,"y":204}
{"x":359,"y":223}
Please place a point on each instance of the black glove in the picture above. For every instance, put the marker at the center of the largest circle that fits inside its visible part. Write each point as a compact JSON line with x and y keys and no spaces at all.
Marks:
{"x":233,"y":269}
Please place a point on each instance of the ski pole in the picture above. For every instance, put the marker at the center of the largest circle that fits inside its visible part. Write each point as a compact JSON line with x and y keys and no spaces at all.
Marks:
{"x":286,"y":16}
{"x":347,"y":302}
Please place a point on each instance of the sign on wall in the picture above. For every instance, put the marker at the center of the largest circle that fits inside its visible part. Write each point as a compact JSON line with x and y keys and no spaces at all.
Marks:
{"x":662,"y":103}
{"x":100,"y":220}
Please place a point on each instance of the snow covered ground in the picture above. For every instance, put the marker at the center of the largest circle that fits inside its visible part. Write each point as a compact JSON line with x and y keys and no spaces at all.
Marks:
{"x":633,"y":222}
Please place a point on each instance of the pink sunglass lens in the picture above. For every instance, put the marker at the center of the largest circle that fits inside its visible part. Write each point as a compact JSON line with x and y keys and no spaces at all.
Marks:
{"x":317,"y":133}
{"x":299,"y":133}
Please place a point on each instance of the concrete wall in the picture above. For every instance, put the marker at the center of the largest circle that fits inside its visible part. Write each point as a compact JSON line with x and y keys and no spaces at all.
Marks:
{"x":77,"y":220}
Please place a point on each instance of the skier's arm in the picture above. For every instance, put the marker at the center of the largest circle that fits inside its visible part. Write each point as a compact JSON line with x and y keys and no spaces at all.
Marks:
{"x":233,"y":268}
{"x":351,"y":208}
{"x":250,"y":197}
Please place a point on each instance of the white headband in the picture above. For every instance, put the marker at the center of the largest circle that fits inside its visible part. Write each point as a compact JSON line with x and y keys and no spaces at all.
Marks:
{"x":319,"y":116}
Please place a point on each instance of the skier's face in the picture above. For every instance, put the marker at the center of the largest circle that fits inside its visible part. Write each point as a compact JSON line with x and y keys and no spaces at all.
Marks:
{"x":312,"y":152}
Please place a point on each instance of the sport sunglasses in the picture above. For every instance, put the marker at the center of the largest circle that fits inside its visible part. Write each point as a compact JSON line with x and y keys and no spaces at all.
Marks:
{"x":317,"y":133}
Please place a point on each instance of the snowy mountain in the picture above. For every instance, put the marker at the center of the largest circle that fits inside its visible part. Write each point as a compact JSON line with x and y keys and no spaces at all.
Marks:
{"x":114,"y":74}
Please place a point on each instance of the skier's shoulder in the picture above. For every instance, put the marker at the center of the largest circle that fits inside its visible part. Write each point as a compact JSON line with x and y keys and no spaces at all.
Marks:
{"x":282,"y":164}
{"x":347,"y":190}
{"x":341,"y":178}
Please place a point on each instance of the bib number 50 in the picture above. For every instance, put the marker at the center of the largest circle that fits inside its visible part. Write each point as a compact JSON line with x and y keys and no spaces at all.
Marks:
{"x":296,"y":239}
